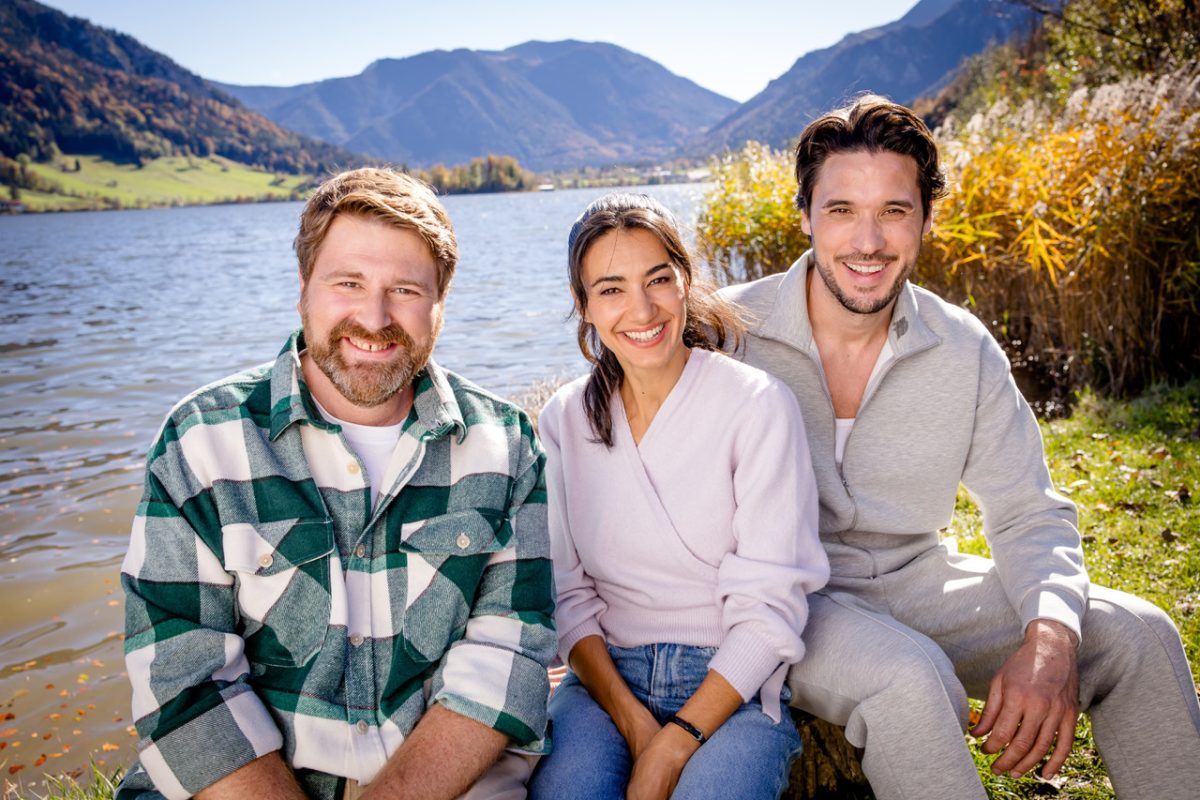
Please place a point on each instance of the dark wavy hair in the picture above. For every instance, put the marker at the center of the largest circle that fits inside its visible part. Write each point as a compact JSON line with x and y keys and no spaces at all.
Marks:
{"x":873,"y":124}
{"x":710,"y":320}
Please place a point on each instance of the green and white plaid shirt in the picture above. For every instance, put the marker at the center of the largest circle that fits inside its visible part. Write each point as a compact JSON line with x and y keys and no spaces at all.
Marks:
{"x":269,"y":606}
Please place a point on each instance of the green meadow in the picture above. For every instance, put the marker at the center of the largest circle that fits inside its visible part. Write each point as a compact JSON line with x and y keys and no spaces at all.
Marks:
{"x":168,"y":181}
{"x":1131,"y":468}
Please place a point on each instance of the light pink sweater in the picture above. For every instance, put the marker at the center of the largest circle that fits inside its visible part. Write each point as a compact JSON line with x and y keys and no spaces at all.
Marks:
{"x":705,"y":534}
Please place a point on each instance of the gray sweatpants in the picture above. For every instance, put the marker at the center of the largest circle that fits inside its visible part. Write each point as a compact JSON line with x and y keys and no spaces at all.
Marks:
{"x":894,"y":658}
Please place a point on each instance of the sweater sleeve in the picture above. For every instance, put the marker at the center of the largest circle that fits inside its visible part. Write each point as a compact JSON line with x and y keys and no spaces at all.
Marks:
{"x":778,"y":558}
{"x":579,"y":606}
{"x":1032,"y":529}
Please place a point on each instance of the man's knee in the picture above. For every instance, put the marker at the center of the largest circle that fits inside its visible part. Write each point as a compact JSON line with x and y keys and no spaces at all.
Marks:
{"x":912,"y":678}
{"x":1123,"y":637}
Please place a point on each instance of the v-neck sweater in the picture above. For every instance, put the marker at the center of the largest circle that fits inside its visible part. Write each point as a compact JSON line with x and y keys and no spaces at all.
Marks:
{"x":704,"y":533}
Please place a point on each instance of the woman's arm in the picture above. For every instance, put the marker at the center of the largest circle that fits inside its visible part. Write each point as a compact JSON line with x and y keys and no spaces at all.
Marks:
{"x":658,"y":769}
{"x":579,"y":606}
{"x":594,"y":667}
{"x":581,"y":639}
{"x":778,"y":559}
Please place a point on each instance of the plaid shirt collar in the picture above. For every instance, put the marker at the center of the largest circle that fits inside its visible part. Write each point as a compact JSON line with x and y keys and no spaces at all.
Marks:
{"x":437,"y":411}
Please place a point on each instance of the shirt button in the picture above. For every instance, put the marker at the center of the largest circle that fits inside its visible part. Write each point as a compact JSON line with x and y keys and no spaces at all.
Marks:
{"x":360,"y":551}
{"x":362,"y":726}
{"x":265,"y":560}
{"x":356,"y":640}
{"x":352,"y":468}
{"x":463,"y":541}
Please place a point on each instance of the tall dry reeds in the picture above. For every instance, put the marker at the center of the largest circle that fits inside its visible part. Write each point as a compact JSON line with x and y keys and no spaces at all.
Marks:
{"x":1076,"y":234}
{"x":748,"y":225}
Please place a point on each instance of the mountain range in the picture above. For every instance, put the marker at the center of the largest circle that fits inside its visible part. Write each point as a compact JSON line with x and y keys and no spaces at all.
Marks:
{"x":551,"y":105}
{"x":907,"y":59}
{"x":67,"y":85}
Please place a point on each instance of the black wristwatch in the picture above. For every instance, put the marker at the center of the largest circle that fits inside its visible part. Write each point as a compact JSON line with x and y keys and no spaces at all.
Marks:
{"x":691,"y":729}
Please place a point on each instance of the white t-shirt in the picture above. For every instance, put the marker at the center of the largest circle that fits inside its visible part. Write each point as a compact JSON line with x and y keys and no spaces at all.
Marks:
{"x":373,"y":444}
{"x":842,"y":425}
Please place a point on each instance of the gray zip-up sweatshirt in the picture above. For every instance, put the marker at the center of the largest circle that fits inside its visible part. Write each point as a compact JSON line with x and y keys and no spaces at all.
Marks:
{"x":944,"y":410}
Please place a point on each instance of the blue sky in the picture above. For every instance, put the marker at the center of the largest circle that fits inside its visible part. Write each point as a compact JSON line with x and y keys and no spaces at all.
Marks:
{"x":733,"y":47}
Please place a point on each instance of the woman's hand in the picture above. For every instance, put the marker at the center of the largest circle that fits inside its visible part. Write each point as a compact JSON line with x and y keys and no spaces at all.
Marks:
{"x":639,"y":729}
{"x":595,"y":669}
{"x":657,"y":769}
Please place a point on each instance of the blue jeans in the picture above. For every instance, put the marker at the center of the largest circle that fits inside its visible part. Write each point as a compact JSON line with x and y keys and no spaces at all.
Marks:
{"x":747,"y":757}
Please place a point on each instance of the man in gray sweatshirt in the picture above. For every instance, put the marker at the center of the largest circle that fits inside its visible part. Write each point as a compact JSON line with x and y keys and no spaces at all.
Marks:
{"x":905,"y":397}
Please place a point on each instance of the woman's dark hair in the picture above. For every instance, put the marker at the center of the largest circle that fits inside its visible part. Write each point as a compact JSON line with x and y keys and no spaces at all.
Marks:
{"x":873,"y":124}
{"x":710,"y":322}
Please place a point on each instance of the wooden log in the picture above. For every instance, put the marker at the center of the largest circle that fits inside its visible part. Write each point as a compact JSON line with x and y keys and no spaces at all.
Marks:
{"x":828,"y":767}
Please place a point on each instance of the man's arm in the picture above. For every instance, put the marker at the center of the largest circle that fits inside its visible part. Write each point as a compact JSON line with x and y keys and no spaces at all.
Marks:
{"x":496,"y":673}
{"x":264,"y":778}
{"x":186,"y":662}
{"x":442,"y":758}
{"x":1033,"y":699}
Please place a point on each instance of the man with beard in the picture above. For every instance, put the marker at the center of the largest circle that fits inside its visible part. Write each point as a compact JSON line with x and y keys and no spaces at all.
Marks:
{"x":338,"y":583}
{"x":905,"y":397}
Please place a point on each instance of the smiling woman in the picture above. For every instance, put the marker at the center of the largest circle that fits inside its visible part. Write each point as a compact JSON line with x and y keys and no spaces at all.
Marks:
{"x":630,"y":291}
{"x":635,"y":303}
{"x":666,"y":455}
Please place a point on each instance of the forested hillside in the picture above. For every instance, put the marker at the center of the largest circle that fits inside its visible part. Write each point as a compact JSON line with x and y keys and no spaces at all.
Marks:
{"x":67,"y":86}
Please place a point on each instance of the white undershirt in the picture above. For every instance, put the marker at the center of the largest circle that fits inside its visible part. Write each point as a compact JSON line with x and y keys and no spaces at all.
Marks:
{"x":373,"y":444}
{"x":842,"y":425}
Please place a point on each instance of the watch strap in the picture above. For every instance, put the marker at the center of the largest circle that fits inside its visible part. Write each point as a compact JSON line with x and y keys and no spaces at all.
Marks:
{"x":691,"y":729}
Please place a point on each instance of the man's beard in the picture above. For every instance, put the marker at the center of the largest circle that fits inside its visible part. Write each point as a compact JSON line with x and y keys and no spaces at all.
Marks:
{"x":860,"y":305}
{"x":370,"y":384}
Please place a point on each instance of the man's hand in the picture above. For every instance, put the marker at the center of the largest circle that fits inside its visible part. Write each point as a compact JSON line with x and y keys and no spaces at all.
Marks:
{"x":1033,"y":702}
{"x":657,"y":769}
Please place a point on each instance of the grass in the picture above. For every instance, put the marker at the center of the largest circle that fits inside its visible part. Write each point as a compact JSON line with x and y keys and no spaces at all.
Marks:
{"x":98,"y":786}
{"x":169,"y":181}
{"x":1131,"y":466}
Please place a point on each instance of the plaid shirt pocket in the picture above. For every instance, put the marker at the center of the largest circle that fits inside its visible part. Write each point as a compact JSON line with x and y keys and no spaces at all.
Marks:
{"x":282,"y":571}
{"x":447,"y":556}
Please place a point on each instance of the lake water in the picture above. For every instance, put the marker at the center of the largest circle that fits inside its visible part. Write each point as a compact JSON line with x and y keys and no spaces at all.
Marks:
{"x":106,"y":319}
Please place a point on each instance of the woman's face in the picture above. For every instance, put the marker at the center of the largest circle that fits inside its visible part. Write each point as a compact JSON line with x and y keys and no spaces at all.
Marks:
{"x":635,"y":300}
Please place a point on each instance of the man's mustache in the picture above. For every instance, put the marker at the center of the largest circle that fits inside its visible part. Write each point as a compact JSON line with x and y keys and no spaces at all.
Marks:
{"x":390,"y":334}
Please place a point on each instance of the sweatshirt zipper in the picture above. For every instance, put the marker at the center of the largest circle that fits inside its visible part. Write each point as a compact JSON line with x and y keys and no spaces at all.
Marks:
{"x":868,"y":393}
{"x":816,"y":360}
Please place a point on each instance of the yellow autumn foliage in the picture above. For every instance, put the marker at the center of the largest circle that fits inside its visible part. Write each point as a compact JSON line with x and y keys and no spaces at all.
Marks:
{"x":1076,"y":235}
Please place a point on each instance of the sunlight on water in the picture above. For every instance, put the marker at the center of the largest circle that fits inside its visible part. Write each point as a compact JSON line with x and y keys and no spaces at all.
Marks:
{"x":106,"y":320}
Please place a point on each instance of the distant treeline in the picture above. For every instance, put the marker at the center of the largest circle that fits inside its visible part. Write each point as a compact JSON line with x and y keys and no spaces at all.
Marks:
{"x":480,"y":176}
